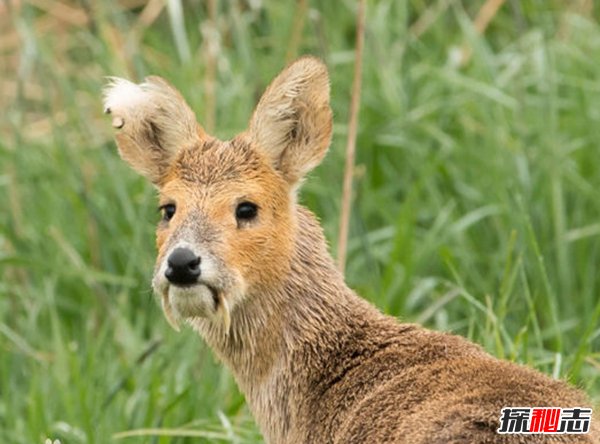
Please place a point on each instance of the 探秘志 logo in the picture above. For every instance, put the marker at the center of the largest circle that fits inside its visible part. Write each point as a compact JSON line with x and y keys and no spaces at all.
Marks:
{"x":549,"y":420}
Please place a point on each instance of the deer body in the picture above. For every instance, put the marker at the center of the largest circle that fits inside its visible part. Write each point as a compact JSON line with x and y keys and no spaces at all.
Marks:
{"x":248,"y":268}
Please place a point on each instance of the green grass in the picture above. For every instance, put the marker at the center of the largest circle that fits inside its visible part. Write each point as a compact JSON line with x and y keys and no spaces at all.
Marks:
{"x":476,"y":211}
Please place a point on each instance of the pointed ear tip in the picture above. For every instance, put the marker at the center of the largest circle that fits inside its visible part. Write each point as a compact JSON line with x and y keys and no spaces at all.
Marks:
{"x":311,"y":63}
{"x":310,"y":59}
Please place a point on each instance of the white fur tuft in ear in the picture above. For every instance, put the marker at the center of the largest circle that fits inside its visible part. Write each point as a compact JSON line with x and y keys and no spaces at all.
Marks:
{"x":154,"y":122}
{"x":122,"y":98}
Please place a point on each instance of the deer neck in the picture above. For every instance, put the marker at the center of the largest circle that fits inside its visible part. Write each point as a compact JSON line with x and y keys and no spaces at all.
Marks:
{"x":310,"y":310}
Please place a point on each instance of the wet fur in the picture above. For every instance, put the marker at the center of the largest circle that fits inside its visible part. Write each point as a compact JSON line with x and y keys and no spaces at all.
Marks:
{"x":316,"y":363}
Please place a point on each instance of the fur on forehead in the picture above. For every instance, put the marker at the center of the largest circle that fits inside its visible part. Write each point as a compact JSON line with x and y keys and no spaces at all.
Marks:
{"x":214,"y":161}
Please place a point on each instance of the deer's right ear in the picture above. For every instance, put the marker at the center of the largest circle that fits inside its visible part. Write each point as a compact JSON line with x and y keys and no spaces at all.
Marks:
{"x":153,"y":123}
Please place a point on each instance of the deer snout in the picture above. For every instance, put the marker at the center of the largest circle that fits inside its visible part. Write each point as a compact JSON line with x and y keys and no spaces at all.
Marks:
{"x":183,"y":267}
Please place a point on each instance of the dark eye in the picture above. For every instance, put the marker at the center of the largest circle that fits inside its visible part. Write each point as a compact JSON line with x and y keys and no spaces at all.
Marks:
{"x":246,"y":211}
{"x":168,"y":211}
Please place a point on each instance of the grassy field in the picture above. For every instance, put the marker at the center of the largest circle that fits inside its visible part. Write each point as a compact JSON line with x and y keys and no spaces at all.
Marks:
{"x":476,"y":207}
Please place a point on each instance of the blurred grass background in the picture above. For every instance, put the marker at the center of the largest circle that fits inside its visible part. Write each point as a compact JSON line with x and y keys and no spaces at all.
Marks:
{"x":476,"y":206}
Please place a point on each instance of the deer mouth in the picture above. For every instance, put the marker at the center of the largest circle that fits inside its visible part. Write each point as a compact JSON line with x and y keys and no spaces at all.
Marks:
{"x":198,"y":300}
{"x":213,"y":291}
{"x":188,"y":289}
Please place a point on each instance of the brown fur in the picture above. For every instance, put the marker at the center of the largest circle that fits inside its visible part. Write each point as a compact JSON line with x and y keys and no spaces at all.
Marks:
{"x":317,"y":363}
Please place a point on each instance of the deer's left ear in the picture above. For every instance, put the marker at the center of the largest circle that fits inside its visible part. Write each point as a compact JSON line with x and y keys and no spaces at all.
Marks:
{"x":292,"y":121}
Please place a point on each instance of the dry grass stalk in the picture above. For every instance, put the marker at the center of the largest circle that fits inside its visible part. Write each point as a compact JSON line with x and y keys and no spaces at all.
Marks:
{"x":297,"y":28}
{"x":351,"y":141}
{"x":483,"y":19}
{"x":428,"y":18}
{"x":211,"y":50}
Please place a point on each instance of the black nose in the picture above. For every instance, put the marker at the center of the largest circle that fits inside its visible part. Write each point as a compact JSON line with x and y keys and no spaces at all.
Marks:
{"x":183,"y":267}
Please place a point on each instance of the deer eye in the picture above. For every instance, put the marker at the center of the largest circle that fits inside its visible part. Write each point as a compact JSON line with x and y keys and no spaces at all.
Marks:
{"x":168,"y":211}
{"x":246,"y":211}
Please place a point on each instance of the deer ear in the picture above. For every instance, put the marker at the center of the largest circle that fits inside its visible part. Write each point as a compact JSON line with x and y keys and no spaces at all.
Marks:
{"x":292,"y":121}
{"x":153,"y":123}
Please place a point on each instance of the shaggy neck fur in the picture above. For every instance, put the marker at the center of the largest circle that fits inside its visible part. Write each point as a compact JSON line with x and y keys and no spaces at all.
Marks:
{"x":277,"y":336}
{"x":319,"y":364}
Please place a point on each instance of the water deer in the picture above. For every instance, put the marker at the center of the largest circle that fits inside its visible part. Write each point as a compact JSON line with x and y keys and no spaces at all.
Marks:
{"x":247,"y":267}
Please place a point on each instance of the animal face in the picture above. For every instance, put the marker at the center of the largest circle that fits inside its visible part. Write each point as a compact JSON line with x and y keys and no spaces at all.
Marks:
{"x":227,"y":207}
{"x":226,"y":211}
